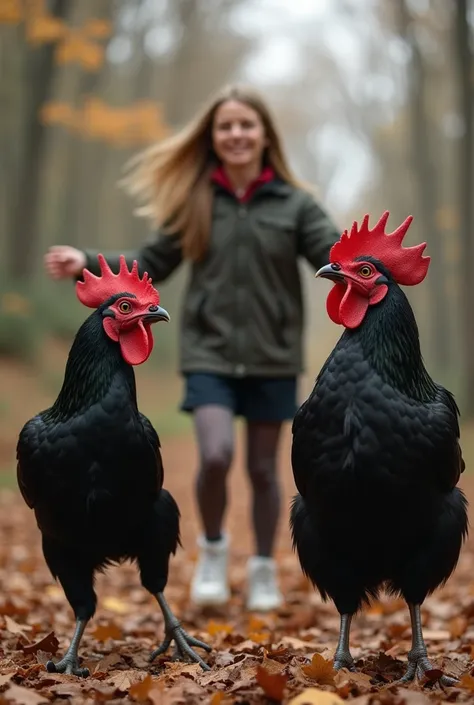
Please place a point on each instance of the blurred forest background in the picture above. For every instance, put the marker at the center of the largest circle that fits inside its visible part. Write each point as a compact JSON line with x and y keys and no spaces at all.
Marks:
{"x":375,"y":100}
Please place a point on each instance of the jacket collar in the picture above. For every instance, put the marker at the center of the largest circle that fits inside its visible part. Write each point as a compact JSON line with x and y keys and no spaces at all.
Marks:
{"x":266,"y":182}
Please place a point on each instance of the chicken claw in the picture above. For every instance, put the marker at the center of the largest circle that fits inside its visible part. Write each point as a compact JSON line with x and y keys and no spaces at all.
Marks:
{"x":418,"y":661}
{"x":419,"y":666}
{"x":70,"y":661}
{"x":183,"y":641}
{"x":69,"y":664}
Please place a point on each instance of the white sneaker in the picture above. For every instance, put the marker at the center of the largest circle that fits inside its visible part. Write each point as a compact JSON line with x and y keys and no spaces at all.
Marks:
{"x":209,"y":585}
{"x":263,"y":593}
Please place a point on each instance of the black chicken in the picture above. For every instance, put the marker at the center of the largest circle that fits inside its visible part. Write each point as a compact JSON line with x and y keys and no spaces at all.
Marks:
{"x":90,"y":466}
{"x":375,"y":454}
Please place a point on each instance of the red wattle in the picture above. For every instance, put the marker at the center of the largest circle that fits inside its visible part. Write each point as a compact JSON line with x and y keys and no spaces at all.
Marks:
{"x":136,"y":343}
{"x":353,"y":307}
{"x":347,"y":305}
{"x":333,"y":302}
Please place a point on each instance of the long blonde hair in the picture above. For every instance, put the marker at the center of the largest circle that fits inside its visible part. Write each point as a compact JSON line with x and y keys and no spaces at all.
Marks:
{"x":171,"y":179}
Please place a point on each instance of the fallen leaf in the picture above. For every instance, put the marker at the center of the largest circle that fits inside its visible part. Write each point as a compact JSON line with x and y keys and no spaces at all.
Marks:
{"x":105,"y":663}
{"x":313,"y":696}
{"x":320,"y":670}
{"x":362,"y":681}
{"x":256,"y":624}
{"x":217,"y":698}
{"x":296,"y":644}
{"x":115,"y":605}
{"x":467,"y":682}
{"x":107,"y":631}
{"x":279,"y":652}
{"x":5,"y":678}
{"x":140,"y":691}
{"x":48,"y":643}
{"x":260,"y":637}
{"x":457,"y":627}
{"x":214,"y":628}
{"x":23,"y":696}
{"x":70,"y":689}
{"x":433,"y":675}
{"x":395,"y":631}
{"x":15,"y":628}
{"x":272,"y":684}
{"x":123,"y":680}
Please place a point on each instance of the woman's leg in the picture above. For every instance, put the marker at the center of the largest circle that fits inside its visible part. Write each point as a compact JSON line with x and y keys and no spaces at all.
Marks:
{"x":214,"y":433}
{"x":262,"y":448}
{"x":214,"y":430}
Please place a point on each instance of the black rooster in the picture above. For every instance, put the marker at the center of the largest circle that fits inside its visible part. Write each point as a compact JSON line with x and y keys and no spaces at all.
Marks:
{"x":90,"y":466}
{"x":375,"y":454}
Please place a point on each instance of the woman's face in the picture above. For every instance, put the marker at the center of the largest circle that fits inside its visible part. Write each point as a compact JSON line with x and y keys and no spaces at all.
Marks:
{"x":238,"y":134}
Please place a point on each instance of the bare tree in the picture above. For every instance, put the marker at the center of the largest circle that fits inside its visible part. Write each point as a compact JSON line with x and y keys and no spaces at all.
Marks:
{"x":465,"y":72}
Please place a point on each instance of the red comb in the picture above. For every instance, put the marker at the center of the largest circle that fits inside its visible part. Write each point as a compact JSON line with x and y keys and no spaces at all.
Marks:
{"x":407,"y":265}
{"x":93,"y":291}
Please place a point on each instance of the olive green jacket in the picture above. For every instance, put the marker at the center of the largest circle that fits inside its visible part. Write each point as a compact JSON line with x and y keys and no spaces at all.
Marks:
{"x":243,"y":308}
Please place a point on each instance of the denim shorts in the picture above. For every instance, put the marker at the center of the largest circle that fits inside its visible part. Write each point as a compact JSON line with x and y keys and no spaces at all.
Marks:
{"x":253,"y":398}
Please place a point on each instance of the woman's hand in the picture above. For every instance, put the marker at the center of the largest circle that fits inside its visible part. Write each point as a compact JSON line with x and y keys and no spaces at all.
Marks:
{"x":62,"y":262}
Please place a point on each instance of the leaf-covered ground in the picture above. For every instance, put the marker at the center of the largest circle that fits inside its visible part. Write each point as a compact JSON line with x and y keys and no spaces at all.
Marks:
{"x":255,"y":658}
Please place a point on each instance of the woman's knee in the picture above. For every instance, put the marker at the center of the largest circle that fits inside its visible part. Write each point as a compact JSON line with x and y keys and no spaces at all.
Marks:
{"x":262,"y":474}
{"x":216,"y":462}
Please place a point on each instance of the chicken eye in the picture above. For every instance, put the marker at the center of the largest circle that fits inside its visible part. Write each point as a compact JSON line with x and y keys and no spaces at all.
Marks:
{"x":125,"y":307}
{"x":365,"y":271}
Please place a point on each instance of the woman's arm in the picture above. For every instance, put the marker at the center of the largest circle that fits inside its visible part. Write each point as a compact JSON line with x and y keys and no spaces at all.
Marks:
{"x":316,"y":233}
{"x":160,"y":256}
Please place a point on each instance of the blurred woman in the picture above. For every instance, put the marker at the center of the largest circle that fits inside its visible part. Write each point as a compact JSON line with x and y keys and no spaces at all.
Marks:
{"x":220,"y":194}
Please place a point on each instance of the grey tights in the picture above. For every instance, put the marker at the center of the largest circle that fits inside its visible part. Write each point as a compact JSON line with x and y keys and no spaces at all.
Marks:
{"x":214,"y":427}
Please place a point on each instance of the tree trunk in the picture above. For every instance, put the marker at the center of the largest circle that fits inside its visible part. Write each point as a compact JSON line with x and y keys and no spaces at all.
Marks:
{"x":39,"y":72}
{"x":465,"y":68}
{"x":421,"y":155}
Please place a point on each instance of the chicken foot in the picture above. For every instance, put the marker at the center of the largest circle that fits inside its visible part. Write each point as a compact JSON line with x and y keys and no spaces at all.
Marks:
{"x":342,"y":656}
{"x":175,"y":632}
{"x":70,"y":661}
{"x":418,"y":661}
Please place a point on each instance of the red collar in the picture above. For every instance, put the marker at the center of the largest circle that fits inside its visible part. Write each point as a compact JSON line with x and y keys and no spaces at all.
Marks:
{"x":220,"y":177}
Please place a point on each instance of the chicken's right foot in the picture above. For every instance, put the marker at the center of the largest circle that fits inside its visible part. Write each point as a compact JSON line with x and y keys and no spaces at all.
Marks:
{"x":418,"y":662}
{"x":70,"y":662}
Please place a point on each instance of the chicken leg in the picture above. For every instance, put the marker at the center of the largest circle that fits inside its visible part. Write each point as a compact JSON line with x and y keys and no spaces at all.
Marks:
{"x":342,"y":656}
{"x":418,"y":662}
{"x":70,"y":662}
{"x":175,"y":632}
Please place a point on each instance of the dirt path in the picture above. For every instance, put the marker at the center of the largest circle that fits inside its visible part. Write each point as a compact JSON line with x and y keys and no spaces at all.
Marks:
{"x":127,"y":625}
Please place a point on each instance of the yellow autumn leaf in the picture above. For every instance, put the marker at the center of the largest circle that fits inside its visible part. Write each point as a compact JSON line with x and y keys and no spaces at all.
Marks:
{"x":11,"y":12}
{"x":314,"y":696}
{"x":91,"y":56}
{"x":214,"y":628}
{"x":320,"y":670}
{"x":97,"y":29}
{"x":217,"y":698}
{"x":115,"y":605}
{"x":44,"y":29}
{"x":256,"y":624}
{"x":140,"y":691}
{"x":260,"y":637}
{"x":107,"y":631}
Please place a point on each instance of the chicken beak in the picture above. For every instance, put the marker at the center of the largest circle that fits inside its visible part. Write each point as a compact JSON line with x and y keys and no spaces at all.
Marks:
{"x":160,"y":314}
{"x":331,"y":271}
